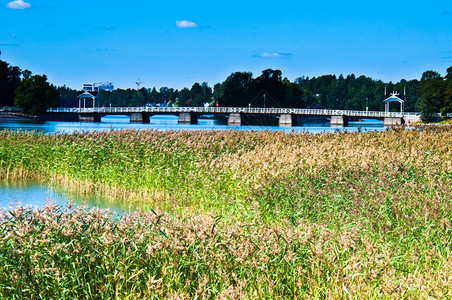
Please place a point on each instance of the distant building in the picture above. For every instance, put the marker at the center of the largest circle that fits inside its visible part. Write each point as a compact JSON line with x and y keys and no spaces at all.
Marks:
{"x":98,"y":86}
{"x":84,"y":96}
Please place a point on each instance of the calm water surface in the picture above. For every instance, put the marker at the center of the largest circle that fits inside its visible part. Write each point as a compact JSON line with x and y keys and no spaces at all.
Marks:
{"x":36,"y":194}
{"x":163,"y":123}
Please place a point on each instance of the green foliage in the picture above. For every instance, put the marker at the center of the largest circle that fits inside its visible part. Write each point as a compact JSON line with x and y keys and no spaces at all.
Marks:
{"x":34,"y":95}
{"x":431,"y":92}
{"x":68,"y":97}
{"x":9,"y":80}
{"x":236,"y":90}
{"x":198,"y":95}
{"x":248,"y":215}
{"x":447,"y":107}
{"x":293,"y":94}
{"x":240,"y":89}
{"x":270,"y":85}
{"x":355,"y":93}
{"x":183,"y":97}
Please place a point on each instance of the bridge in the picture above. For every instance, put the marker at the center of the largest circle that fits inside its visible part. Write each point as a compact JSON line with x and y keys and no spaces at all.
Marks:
{"x":235,"y":115}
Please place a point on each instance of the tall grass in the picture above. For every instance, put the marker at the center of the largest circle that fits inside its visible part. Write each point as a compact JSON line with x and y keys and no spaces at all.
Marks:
{"x":247,"y":214}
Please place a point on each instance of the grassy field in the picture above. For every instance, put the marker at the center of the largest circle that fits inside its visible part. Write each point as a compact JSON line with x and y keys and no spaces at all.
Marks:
{"x":234,"y":215}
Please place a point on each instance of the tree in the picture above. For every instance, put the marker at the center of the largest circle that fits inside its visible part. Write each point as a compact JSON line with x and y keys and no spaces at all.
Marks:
{"x":155,"y":96}
{"x":217,"y":95}
{"x":431,"y":92}
{"x":236,"y":90}
{"x":270,"y":83}
{"x":411,"y":89}
{"x":9,"y":81}
{"x":293,"y":94}
{"x":138,"y":98}
{"x":307,"y":90}
{"x":195,"y":95}
{"x":34,"y":95}
{"x":68,"y":97}
{"x":206,"y":93}
{"x":199,"y":94}
{"x":447,"y":106}
{"x":184,"y":96}
{"x":167,"y":94}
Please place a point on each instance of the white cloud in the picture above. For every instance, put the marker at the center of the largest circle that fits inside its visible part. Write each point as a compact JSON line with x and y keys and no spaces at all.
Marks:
{"x":186,"y":24}
{"x":18,"y":4}
{"x":273,"y":55}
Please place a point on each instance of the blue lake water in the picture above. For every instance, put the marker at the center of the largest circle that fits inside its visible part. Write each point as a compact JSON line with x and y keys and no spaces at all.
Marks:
{"x":163,"y":123}
{"x":35,"y":195}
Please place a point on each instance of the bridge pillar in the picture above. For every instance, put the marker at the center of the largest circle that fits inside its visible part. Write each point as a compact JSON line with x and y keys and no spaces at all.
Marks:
{"x":89,"y":117}
{"x":338,"y":121}
{"x":411,"y":119}
{"x":139,"y":118}
{"x":187,"y":118}
{"x":392,"y":121}
{"x":234,"y":119}
{"x":285,"y":120}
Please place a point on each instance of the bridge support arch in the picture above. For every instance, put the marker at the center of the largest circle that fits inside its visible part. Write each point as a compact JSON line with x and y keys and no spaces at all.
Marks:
{"x":139,"y":118}
{"x":411,"y":119}
{"x":89,"y":117}
{"x":285,"y":120}
{"x":393,"y":121}
{"x":187,"y":118}
{"x":234,"y":119}
{"x":339,"y":121}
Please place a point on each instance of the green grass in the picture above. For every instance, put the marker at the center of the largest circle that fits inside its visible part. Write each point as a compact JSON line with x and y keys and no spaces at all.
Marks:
{"x":236,"y":215}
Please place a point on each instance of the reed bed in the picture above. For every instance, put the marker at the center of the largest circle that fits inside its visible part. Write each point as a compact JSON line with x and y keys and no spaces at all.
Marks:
{"x":236,"y":215}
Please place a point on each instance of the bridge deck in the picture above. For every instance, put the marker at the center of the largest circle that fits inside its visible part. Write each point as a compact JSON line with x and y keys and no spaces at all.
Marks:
{"x":229,"y":110}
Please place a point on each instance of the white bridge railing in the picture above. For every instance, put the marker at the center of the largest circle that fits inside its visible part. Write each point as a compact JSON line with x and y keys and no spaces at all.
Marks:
{"x":229,"y":110}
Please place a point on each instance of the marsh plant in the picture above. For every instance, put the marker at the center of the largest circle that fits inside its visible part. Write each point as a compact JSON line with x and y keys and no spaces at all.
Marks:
{"x":234,"y":215}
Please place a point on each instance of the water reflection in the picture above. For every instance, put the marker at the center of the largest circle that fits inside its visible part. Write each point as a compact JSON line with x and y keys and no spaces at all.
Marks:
{"x":35,"y":194}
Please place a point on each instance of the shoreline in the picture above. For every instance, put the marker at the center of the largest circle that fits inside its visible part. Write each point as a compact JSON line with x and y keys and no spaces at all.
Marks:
{"x":6,"y":116}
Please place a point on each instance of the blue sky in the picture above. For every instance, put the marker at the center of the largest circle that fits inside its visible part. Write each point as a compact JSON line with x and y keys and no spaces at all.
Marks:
{"x":176,"y":43}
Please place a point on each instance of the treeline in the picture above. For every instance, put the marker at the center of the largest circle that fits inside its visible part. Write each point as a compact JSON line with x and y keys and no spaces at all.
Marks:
{"x":356,"y":93}
{"x":429,"y":95}
{"x":31,"y":93}
{"x":435,"y":94}
{"x":196,"y":96}
{"x":327,"y":91}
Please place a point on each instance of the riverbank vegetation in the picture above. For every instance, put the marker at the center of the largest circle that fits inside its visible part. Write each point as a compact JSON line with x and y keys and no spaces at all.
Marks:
{"x":234,"y":215}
